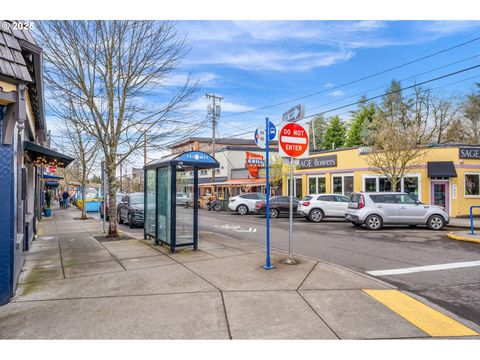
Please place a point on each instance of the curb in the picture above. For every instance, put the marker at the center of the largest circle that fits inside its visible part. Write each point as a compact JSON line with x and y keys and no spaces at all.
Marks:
{"x":454,"y":236}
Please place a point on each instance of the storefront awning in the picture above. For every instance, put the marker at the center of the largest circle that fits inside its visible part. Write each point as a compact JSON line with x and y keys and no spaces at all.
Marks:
{"x":49,"y":176}
{"x":441,"y":169}
{"x":42,"y":155}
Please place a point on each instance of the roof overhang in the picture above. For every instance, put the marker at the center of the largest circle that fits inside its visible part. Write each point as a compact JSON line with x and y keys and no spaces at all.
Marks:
{"x":198,"y":159}
{"x":441,"y":169}
{"x":42,"y":155}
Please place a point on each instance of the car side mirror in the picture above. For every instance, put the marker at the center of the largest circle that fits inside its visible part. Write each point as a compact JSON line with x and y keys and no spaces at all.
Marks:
{"x":418,"y":202}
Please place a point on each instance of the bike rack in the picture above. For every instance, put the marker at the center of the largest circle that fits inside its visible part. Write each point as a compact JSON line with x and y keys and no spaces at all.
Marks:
{"x":471,"y":218}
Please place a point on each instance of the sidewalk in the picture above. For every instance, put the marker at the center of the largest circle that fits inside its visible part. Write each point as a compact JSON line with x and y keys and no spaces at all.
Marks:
{"x":464,"y":223}
{"x":74,"y":286}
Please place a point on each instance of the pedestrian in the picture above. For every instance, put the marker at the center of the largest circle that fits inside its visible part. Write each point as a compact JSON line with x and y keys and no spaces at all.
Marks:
{"x":65,"y":197}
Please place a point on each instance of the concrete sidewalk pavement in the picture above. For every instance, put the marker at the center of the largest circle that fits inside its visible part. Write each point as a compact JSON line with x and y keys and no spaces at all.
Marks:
{"x":74,"y":286}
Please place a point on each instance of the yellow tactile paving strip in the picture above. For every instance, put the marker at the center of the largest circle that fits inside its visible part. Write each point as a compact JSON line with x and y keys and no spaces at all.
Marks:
{"x":431,"y":321}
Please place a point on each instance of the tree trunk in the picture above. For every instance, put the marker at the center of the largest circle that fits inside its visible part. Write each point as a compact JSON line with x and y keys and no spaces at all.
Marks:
{"x":84,"y":194}
{"x":112,"y":203}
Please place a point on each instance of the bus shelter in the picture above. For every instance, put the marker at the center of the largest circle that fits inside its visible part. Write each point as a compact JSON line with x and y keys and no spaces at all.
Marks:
{"x":171,"y":198}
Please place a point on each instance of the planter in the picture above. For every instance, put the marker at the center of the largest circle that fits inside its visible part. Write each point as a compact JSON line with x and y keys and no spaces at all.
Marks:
{"x":48,"y":212}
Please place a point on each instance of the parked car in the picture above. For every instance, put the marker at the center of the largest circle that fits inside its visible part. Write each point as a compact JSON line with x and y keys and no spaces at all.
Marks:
{"x":245,"y":203}
{"x":131,"y":208}
{"x":319,"y":206}
{"x":279,"y":205}
{"x":395,"y":208}
{"x":117,"y":201}
{"x":182,"y":198}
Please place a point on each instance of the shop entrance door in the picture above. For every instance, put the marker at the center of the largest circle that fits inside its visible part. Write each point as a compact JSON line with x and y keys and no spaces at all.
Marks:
{"x":440,"y":194}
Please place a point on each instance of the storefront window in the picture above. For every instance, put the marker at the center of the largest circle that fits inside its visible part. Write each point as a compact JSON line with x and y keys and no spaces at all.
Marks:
{"x":312,"y":185}
{"x":337,"y":185}
{"x":410,"y":186}
{"x":322,"y":185}
{"x":317,"y":185}
{"x":342,"y":184}
{"x":472,"y":184}
{"x":370,"y":185}
{"x":347,"y":185}
{"x":298,"y":188}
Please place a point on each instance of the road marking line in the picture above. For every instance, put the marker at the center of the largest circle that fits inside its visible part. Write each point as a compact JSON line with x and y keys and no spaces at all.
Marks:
{"x":424,"y":268}
{"x":431,"y":321}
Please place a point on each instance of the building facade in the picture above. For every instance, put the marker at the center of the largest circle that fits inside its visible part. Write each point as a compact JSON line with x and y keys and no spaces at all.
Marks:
{"x":23,"y":151}
{"x":449,"y":176}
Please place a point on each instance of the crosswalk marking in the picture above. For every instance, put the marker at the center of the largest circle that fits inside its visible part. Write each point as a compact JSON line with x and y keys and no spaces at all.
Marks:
{"x":417,"y":269}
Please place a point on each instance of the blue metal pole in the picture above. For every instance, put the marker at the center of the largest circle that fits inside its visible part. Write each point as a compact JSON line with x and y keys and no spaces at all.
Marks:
{"x":471,"y":221}
{"x":268,"y":264}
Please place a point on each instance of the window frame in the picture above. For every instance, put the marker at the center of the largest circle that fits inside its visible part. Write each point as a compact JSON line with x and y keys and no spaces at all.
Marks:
{"x":342,"y":176}
{"x":465,"y":187}
{"x":316,"y":177}
{"x":402,"y":182}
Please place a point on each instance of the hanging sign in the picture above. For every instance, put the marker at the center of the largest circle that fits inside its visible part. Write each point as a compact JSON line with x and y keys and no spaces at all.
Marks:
{"x":254,"y":162}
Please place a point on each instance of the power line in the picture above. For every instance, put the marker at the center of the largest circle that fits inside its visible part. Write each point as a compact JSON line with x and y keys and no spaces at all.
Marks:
{"x":357,"y":80}
{"x":378,"y":96}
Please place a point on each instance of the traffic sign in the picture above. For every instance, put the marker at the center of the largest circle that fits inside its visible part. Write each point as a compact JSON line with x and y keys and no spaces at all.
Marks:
{"x":294,"y":114}
{"x":52,"y":169}
{"x":293,"y":140}
{"x":259,"y":135}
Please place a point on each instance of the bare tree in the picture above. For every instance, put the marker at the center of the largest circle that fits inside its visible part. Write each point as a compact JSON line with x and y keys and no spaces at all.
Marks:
{"x":114,"y":73}
{"x":444,"y":112}
{"x":471,"y":108}
{"x":393,"y":150}
{"x":83,"y":147}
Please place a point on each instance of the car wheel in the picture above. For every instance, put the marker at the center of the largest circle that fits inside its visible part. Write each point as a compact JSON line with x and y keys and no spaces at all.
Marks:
{"x":274,"y":213}
{"x":436,"y":222}
{"x":355,"y":224}
{"x":316,"y":215}
{"x":242,"y":210}
{"x":130,"y":221}
{"x":373,"y":222}
{"x":120,"y":221}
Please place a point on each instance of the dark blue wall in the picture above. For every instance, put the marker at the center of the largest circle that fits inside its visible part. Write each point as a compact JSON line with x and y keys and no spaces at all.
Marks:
{"x":7,"y":211}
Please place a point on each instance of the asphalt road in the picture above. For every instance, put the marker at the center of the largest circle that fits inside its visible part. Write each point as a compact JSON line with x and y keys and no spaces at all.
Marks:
{"x":338,"y":242}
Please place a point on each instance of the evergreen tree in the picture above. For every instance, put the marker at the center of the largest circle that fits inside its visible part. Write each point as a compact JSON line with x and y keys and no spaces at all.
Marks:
{"x":362,"y":118}
{"x":334,"y":134}
{"x":317,"y":129}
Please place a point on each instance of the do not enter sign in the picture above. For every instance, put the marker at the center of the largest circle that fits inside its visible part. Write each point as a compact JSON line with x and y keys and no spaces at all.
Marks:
{"x":293,"y":139}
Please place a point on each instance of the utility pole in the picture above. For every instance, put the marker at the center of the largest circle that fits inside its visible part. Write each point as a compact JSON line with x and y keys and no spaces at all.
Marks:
{"x":214,"y":111}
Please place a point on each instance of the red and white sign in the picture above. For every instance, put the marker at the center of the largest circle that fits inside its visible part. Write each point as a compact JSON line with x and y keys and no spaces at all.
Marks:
{"x":254,"y":161}
{"x":52,"y":169}
{"x":293,"y":139}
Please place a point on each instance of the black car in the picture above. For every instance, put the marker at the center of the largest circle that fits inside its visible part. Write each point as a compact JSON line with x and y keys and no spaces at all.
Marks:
{"x":279,"y":205}
{"x":130,"y":209}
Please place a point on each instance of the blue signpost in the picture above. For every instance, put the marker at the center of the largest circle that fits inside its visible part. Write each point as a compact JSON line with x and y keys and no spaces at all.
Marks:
{"x":270,"y":135}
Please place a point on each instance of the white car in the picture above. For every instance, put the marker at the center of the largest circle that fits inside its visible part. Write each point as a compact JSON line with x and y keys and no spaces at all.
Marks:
{"x":245,"y":203}
{"x":319,"y":206}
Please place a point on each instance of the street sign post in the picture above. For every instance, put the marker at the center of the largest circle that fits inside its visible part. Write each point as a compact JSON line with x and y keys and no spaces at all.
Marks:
{"x":294,"y":114}
{"x":293,"y":143}
{"x":272,"y":132}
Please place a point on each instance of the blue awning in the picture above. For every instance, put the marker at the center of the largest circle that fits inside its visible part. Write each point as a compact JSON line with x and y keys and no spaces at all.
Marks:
{"x":48,"y":176}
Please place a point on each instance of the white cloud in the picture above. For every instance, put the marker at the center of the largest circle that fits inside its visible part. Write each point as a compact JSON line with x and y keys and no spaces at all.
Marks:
{"x":204,"y":79}
{"x":328,"y":85}
{"x":202,"y":103}
{"x":275,"y":60}
{"x":337,"y":93}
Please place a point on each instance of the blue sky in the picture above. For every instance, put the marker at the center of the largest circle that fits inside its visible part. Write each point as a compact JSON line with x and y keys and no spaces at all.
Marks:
{"x":257,"y":63}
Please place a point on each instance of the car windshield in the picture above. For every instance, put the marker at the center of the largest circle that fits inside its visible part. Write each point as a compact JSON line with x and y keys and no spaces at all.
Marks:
{"x":307,"y":198}
{"x":136,"y":199}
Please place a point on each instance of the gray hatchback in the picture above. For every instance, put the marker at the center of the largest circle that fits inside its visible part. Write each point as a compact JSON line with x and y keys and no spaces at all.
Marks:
{"x":394,"y":208}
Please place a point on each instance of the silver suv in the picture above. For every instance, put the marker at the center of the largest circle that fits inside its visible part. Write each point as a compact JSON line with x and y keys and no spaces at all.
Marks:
{"x":393,"y":208}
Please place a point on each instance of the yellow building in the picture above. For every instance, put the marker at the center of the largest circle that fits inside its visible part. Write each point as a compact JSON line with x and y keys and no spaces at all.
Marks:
{"x":449,"y":176}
